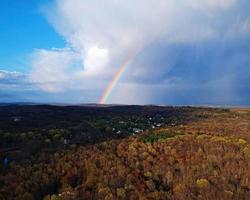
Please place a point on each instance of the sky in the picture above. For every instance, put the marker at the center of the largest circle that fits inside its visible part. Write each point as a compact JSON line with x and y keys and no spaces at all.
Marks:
{"x":185,"y":52}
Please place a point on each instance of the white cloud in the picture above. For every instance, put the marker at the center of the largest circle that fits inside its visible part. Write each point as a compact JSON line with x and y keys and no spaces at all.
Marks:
{"x":96,"y":60}
{"x":2,"y":75}
{"x":101,"y":34}
{"x":57,"y":70}
{"x":51,"y":69}
{"x":211,"y":4}
{"x":9,"y":75}
{"x":10,"y":80}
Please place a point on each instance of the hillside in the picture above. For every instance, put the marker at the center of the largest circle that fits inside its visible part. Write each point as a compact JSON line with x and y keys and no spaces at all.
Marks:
{"x":204,"y":154}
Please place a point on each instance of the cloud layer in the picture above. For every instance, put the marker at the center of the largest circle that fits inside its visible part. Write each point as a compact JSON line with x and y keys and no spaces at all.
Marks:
{"x":189,"y":51}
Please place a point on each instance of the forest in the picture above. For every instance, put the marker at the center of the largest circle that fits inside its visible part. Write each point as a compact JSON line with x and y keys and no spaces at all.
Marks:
{"x":124,"y":152}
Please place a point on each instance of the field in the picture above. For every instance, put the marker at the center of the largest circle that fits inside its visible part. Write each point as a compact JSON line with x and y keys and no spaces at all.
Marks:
{"x":124,"y":152}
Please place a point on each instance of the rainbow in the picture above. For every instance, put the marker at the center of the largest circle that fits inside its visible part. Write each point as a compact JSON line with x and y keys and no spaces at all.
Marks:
{"x":117,"y":77}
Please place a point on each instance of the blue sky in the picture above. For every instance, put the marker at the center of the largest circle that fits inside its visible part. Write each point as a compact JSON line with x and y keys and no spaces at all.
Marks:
{"x":23,"y":29}
{"x":189,"y":51}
